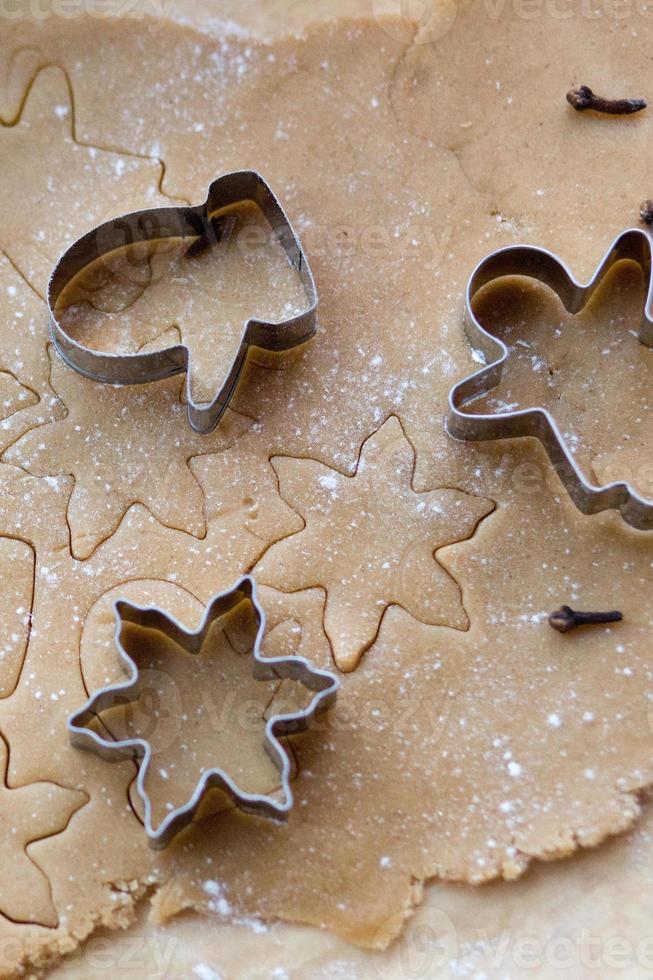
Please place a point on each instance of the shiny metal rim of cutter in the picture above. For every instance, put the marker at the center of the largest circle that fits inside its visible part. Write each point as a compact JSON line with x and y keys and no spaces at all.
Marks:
{"x":538,"y":263}
{"x":174,"y":222}
{"x":323,"y":682}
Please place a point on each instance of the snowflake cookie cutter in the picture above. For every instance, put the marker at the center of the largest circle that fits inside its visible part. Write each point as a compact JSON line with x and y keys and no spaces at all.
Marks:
{"x":538,"y":263}
{"x":193,"y":221}
{"x":324,"y":683}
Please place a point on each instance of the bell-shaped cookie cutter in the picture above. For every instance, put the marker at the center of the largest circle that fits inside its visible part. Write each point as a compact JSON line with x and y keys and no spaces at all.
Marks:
{"x":175,"y":222}
{"x":324,"y":683}
{"x":538,"y":263}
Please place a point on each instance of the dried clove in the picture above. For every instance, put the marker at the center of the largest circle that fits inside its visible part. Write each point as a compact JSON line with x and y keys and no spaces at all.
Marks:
{"x":566,"y":618}
{"x":584,"y":98}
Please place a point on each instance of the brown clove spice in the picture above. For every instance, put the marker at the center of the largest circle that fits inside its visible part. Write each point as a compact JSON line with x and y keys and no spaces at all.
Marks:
{"x":584,"y":98}
{"x":566,"y":618}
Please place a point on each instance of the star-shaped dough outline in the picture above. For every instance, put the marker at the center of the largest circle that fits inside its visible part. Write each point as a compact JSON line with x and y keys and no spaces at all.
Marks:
{"x":370,"y":540}
{"x":187,"y":221}
{"x":533,"y":262}
{"x":40,"y":810}
{"x":324,"y":683}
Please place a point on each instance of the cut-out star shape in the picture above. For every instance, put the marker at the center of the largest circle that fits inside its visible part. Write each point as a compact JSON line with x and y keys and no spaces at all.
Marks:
{"x":70,"y":186}
{"x":370,"y":540}
{"x":26,"y":398}
{"x":28,"y":814}
{"x":122,"y":445}
{"x":19,"y":62}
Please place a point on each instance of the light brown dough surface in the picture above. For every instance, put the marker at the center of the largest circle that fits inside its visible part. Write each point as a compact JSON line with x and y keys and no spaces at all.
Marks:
{"x":121,"y":445}
{"x":27,"y":398}
{"x":469,"y":738}
{"x":339,"y":547}
{"x":49,"y":203}
{"x":564,"y":919}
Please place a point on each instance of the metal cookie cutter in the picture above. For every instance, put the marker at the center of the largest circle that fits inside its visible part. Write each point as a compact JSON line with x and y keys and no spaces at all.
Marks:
{"x":323,"y":682}
{"x":192,"y":221}
{"x":538,"y":263}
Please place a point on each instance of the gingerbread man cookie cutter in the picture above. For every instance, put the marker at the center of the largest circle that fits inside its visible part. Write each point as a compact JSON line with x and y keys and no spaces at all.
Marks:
{"x":175,"y":222}
{"x":324,"y":683}
{"x":538,"y":263}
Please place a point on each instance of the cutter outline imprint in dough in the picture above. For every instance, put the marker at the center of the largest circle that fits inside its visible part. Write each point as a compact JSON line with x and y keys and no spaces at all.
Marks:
{"x":539,"y":263}
{"x":323,"y":682}
{"x":192,"y":220}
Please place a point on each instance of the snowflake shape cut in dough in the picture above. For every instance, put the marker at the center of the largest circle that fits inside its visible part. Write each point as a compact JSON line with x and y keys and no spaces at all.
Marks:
{"x":370,"y":541}
{"x":122,"y":446}
{"x":68,"y":186}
